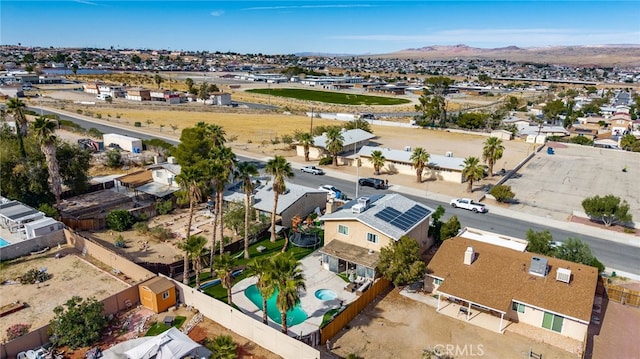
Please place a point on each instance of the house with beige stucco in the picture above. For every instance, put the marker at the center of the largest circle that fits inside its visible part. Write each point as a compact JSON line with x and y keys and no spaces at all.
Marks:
{"x":483,"y":272}
{"x":352,"y":141}
{"x":355,"y":233}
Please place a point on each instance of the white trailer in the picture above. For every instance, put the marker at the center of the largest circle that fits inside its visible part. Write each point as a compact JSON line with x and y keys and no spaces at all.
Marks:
{"x":114,"y":140}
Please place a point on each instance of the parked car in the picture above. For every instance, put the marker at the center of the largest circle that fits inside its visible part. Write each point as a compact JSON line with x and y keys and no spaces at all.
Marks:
{"x":469,"y":204}
{"x":313,"y":170}
{"x":332,"y":192}
{"x":372,"y":182}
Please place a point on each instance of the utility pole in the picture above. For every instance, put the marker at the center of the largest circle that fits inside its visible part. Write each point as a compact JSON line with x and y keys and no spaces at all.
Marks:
{"x":311,"y":127}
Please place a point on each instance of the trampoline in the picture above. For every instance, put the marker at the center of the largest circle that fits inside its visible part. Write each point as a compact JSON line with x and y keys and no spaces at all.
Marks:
{"x":305,"y":240}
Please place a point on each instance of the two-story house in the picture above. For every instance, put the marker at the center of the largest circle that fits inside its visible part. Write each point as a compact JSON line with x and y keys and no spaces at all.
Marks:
{"x":356,"y":231}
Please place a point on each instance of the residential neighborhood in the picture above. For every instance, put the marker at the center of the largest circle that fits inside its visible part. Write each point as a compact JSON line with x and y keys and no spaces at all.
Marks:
{"x":189,"y":206}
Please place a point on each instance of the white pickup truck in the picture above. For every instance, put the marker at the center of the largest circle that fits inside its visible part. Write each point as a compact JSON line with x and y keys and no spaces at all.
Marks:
{"x":469,"y":204}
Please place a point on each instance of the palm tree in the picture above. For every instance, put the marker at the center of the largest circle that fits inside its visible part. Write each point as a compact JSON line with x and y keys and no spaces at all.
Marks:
{"x":306,"y":140}
{"x":44,"y":130}
{"x":472,"y":171}
{"x":289,"y":279}
{"x":189,"y":180}
{"x":492,"y":152}
{"x":335,"y":143}
{"x":224,"y":162}
{"x":16,"y":107}
{"x":224,"y":268}
{"x":280,"y":169}
{"x":419,"y":160}
{"x":193,"y":248}
{"x":245,"y":172}
{"x":262,"y":267}
{"x":378,"y":159}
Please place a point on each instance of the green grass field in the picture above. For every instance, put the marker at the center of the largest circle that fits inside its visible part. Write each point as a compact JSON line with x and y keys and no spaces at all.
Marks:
{"x":339,"y":98}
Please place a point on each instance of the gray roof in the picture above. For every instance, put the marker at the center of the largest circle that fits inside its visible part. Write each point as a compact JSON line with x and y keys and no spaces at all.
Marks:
{"x":350,"y":137}
{"x":157,"y":189}
{"x":16,"y":212}
{"x":435,"y":161}
{"x":377,"y":204}
{"x":533,"y":130}
{"x":263,"y":195}
{"x":173,"y":168}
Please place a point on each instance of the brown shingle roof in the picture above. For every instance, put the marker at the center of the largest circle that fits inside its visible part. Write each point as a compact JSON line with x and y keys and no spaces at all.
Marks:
{"x":136,"y":179}
{"x":158,"y":284}
{"x":499,"y":275}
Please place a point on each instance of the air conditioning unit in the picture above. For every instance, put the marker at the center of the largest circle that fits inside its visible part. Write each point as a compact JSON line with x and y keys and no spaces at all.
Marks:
{"x":563,"y":275}
{"x":358,"y":208}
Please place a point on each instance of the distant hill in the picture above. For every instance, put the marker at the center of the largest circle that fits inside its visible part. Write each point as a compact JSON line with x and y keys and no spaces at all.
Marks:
{"x":587,"y":55}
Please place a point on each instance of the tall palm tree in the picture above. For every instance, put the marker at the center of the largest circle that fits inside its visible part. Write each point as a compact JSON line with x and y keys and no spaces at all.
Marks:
{"x":223,"y":165}
{"x":16,"y":108}
{"x":473,"y":171}
{"x":44,"y":131}
{"x":492,"y":152}
{"x":306,"y":140}
{"x":262,"y":267}
{"x":289,"y":279}
{"x":224,"y":268}
{"x":189,"y":181}
{"x":245,"y":172}
{"x":378,"y":159}
{"x":419,"y":160}
{"x":193,"y":248}
{"x":280,"y":169}
{"x":335,"y":143}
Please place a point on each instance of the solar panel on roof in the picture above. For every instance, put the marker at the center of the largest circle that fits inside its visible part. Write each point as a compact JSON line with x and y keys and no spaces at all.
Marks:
{"x":388,"y":214}
{"x":401,"y":220}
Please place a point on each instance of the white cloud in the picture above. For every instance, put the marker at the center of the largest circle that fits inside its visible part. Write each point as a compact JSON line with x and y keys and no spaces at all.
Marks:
{"x":217,"y":13}
{"x":504,"y":37}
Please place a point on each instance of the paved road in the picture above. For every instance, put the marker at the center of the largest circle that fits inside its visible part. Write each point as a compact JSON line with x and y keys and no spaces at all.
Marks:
{"x":612,"y":254}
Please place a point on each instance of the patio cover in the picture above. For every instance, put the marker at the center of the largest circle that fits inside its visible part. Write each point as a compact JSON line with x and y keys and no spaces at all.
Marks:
{"x":351,"y":253}
{"x":168,"y":345}
{"x":157,"y":189}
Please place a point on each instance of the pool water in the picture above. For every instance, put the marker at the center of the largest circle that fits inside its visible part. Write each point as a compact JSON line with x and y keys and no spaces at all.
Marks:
{"x":294,"y":316}
{"x":326,"y":294}
{"x":3,"y":243}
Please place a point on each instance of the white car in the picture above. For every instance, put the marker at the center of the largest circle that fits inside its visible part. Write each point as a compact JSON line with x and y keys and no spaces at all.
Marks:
{"x":332,"y":192}
{"x":313,"y":170}
{"x":469,"y":204}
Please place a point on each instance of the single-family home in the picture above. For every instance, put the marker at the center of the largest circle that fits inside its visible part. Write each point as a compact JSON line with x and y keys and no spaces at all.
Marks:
{"x":620,"y":124}
{"x":163,"y":182}
{"x":484,"y":272}
{"x":445,"y":168}
{"x":138,"y":94}
{"x":297,"y":200}
{"x":355,"y":233}
{"x":352,"y":141}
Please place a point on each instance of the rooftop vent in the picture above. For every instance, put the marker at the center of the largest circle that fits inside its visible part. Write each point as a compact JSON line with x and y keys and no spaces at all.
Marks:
{"x":357,"y":208}
{"x":407,"y":148}
{"x":469,"y":256}
{"x":448,"y":154}
{"x":538,"y":266}
{"x":172,"y":160}
{"x":563,"y":275}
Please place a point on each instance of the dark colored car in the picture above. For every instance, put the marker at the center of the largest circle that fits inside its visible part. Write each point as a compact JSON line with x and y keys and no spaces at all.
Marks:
{"x":372,"y":182}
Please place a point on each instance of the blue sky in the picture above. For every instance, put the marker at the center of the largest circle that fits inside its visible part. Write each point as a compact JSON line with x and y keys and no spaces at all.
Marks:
{"x":339,"y":27}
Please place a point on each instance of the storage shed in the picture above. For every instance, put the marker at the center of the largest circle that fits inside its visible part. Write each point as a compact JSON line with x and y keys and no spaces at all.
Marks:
{"x":157,"y":294}
{"x":126,"y":143}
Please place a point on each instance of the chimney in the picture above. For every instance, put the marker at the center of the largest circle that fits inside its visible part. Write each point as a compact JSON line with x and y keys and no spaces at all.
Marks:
{"x":469,"y":256}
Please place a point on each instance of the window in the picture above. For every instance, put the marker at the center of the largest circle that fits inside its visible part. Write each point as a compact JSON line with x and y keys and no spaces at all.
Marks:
{"x":165,"y":295}
{"x":373,"y":238}
{"x":552,"y":321}
{"x":342,"y":229}
{"x":518,"y":307}
{"x":437,"y":281}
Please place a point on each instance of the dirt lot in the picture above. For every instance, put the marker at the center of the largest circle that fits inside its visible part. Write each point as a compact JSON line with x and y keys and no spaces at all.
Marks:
{"x":71,"y":275}
{"x":398,"y":327}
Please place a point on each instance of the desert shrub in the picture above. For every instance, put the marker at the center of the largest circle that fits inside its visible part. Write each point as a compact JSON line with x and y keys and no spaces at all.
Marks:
{"x":98,"y":115}
{"x":502,"y":193}
{"x":141,"y":227}
{"x":160,"y":233}
{"x":17,"y":330}
{"x":48,"y":210}
{"x":137,"y":124}
{"x":222,"y":347}
{"x":164,"y":207}
{"x":324,"y":161}
{"x":119,"y":242}
{"x":120,"y":220}
{"x":94,"y":132}
{"x":34,"y":275}
{"x":79,"y":111}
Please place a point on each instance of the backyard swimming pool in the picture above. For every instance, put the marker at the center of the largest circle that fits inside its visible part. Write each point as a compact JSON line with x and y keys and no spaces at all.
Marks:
{"x":294,"y":316}
{"x":326,"y":294}
{"x":3,"y":243}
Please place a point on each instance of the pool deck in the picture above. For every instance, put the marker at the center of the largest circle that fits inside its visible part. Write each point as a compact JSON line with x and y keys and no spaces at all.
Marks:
{"x":315,"y":278}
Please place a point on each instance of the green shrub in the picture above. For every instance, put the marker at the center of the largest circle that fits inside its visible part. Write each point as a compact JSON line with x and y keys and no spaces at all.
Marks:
{"x":502,"y":193}
{"x":34,"y":275}
{"x":160,"y":233}
{"x":120,"y":220}
{"x":141,"y":227}
{"x":164,"y":207}
{"x":119,"y":242}
{"x":137,"y":124}
{"x":222,"y":347}
{"x":325,"y":161}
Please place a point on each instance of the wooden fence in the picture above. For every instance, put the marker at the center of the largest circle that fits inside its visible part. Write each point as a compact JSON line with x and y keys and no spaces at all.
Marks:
{"x":622,"y":295}
{"x":350,"y":312}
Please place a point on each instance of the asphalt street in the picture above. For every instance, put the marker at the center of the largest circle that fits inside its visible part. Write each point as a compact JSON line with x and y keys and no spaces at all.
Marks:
{"x":614,"y":255}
